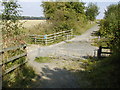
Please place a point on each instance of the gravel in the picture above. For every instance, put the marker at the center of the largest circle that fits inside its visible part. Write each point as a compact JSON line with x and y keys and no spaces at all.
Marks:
{"x":52,"y":76}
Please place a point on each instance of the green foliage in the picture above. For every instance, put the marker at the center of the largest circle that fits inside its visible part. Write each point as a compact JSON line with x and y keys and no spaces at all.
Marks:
{"x":109,"y":27}
{"x":43,"y":59}
{"x":11,"y":27}
{"x":20,"y":78}
{"x":92,"y":11}
{"x":82,"y":28}
{"x":103,"y":73}
{"x":12,"y":36}
{"x":64,"y":15}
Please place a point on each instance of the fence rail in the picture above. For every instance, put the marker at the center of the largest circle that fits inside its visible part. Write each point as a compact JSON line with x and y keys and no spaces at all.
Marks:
{"x":102,"y":52}
{"x":45,"y":39}
{"x":12,"y":48}
{"x":13,"y":68}
{"x":13,"y":58}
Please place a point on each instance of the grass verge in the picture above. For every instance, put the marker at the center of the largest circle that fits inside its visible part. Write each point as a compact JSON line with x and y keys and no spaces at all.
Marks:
{"x":43,"y":59}
{"x":42,"y":31}
{"x":102,"y":73}
{"x":22,"y":77}
{"x":83,"y":28}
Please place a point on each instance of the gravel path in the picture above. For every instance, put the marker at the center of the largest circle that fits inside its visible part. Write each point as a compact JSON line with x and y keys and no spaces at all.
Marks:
{"x":51,"y":74}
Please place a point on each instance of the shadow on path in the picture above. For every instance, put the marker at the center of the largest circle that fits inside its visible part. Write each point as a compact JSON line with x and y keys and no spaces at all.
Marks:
{"x":57,"y":78}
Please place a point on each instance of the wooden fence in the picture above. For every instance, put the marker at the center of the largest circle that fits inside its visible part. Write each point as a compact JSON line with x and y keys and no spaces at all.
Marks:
{"x":13,"y":58}
{"x":103,"y":52}
{"x":50,"y":38}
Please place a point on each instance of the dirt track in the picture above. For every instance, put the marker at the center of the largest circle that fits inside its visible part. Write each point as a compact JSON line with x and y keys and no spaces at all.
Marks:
{"x":53,"y":75}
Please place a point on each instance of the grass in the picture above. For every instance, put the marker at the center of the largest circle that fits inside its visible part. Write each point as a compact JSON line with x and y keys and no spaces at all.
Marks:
{"x":31,"y":23}
{"x":102,"y":73}
{"x":69,"y":65}
{"x":96,"y":73}
{"x":81,"y":29}
{"x":41,"y":28}
{"x":43,"y":59}
{"x":20,"y":78}
{"x":38,"y":27}
{"x":99,"y":42}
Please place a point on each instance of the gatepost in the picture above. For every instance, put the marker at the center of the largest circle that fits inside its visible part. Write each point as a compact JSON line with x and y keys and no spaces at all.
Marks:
{"x":45,"y":38}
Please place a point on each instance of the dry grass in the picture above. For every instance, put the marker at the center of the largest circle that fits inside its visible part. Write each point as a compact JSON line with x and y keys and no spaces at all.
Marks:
{"x":32,"y":23}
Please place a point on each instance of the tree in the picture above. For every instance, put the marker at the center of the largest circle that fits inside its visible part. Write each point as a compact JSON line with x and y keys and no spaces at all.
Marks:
{"x":64,"y":15}
{"x":110,"y":28}
{"x":11,"y":26}
{"x":92,"y":11}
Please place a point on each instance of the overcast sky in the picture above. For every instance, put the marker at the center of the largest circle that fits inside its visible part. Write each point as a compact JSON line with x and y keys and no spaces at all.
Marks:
{"x":33,"y":8}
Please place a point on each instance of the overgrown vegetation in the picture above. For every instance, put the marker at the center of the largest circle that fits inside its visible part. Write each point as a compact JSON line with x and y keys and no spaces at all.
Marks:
{"x":11,"y":27}
{"x":12,"y":36}
{"x":104,"y":73}
{"x":20,"y":78}
{"x":62,"y":16}
{"x":109,"y":28}
{"x":66,"y":15}
{"x":92,"y":11}
{"x":44,"y":28}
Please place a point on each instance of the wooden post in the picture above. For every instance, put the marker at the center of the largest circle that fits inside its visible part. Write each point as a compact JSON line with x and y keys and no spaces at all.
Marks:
{"x":67,"y":35}
{"x":35,"y":40}
{"x":71,"y":32}
{"x":63,"y":35}
{"x":46,"y":41}
{"x":94,"y":53}
{"x":54,"y":36}
{"x":24,"y":46}
{"x":99,"y":52}
{"x":45,"y":38}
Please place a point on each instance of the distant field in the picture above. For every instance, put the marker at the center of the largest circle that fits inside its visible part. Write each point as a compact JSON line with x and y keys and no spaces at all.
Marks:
{"x":31,"y":23}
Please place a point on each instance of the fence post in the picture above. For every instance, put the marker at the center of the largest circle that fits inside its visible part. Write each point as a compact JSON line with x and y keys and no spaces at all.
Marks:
{"x":95,"y":53}
{"x":45,"y":37}
{"x":35,"y":40}
{"x":71,"y":32}
{"x":63,"y":35}
{"x":67,"y":36}
{"x":24,"y":46}
{"x":54,"y":36}
{"x":99,"y":52}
